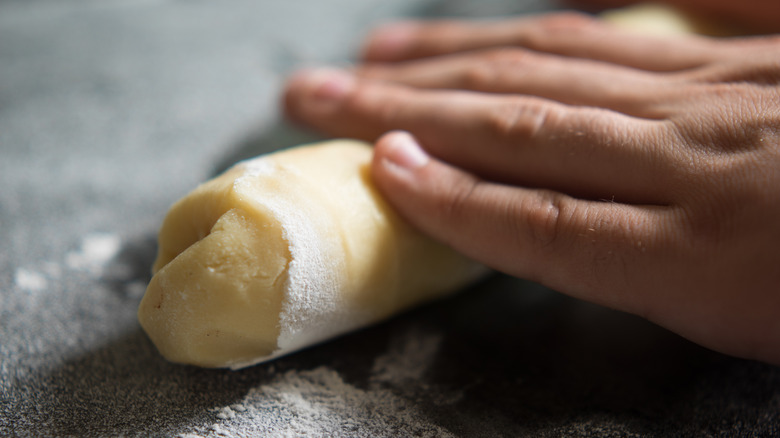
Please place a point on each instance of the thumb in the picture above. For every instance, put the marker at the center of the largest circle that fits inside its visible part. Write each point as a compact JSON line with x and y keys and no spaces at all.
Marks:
{"x":440,"y":200}
{"x":541,"y":235}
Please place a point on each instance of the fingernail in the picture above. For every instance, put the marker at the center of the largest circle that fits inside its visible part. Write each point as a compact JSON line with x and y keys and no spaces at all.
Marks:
{"x":405,"y":152}
{"x":391,"y":39}
{"x":327,"y":84}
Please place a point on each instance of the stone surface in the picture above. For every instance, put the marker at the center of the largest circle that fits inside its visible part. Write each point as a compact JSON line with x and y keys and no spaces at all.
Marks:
{"x":112,"y":110}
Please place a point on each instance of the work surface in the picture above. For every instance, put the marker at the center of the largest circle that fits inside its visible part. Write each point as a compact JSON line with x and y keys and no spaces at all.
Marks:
{"x":111,"y":110}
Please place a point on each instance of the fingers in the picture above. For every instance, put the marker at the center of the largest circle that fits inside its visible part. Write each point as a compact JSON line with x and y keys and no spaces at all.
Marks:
{"x":583,"y":247}
{"x":755,"y":63}
{"x":568,"y":34}
{"x":583,"y":151}
{"x":518,"y":71}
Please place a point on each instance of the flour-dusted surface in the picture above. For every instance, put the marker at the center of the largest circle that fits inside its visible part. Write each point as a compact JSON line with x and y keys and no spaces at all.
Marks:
{"x":112,"y":110}
{"x":319,"y":402}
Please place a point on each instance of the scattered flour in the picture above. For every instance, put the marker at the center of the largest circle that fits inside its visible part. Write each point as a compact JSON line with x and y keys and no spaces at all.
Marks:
{"x":30,"y":280}
{"x":96,"y":250}
{"x":407,"y":359}
{"x":135,"y":289}
{"x":319,"y":403}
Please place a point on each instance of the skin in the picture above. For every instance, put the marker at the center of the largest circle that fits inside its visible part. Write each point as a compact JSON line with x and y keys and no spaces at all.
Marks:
{"x":640,"y":173}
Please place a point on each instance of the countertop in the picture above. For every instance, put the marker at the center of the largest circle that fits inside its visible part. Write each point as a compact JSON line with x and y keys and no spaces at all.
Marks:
{"x":110,"y":110}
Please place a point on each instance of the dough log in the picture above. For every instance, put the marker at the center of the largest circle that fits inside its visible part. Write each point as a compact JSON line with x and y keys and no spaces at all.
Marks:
{"x":284,"y":251}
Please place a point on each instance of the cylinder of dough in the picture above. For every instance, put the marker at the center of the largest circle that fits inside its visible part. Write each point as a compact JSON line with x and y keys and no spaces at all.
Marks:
{"x":284,"y":251}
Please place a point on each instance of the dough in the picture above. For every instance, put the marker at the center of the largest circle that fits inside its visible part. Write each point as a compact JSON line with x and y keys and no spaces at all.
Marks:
{"x":284,"y":251}
{"x":664,"y":20}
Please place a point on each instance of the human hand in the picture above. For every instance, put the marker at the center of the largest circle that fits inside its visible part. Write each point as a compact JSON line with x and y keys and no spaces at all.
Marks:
{"x":636,"y":172}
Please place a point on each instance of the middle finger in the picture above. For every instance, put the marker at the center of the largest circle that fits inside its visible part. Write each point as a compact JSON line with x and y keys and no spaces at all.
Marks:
{"x":567,"y":80}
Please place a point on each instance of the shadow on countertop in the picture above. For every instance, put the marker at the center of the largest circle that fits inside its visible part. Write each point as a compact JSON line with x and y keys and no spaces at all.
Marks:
{"x":525,"y":361}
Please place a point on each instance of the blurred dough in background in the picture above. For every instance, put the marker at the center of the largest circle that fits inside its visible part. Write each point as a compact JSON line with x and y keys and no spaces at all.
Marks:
{"x":660,"y":19}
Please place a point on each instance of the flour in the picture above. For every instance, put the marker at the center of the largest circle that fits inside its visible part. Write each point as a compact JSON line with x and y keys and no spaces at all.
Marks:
{"x":29,"y":280}
{"x":407,"y":359}
{"x":96,"y":250}
{"x":135,"y":289}
{"x":312,"y":309}
{"x":320,"y":403}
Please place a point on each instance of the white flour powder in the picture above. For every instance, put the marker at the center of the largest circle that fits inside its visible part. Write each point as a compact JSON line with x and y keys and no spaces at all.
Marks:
{"x":319,"y":403}
{"x":96,"y":250}
{"x":29,"y":280}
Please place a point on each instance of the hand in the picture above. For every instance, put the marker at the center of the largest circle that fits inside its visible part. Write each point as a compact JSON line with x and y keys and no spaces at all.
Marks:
{"x":639,"y":173}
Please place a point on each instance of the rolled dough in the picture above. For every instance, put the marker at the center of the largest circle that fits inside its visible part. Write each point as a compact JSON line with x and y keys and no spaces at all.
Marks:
{"x":284,"y":251}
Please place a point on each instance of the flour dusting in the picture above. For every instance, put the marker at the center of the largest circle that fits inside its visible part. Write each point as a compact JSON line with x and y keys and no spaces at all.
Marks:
{"x":320,"y":403}
{"x":30,"y":280}
{"x":407,"y":359}
{"x":135,"y":289}
{"x":96,"y":250}
{"x":404,"y":365}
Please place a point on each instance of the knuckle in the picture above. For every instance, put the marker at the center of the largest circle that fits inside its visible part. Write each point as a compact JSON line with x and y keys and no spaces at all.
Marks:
{"x":566,"y":24}
{"x":455,"y":206}
{"x":441,"y":36}
{"x":360,"y":98}
{"x":545,"y":218}
{"x":494,"y":67}
{"x":701,"y":228}
{"x":519,"y":118}
{"x":364,"y":101}
{"x":479,"y":75}
{"x":735,"y":118}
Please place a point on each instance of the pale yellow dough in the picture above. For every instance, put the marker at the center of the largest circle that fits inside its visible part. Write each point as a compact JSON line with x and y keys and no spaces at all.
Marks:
{"x":284,"y":251}
{"x":664,"y":20}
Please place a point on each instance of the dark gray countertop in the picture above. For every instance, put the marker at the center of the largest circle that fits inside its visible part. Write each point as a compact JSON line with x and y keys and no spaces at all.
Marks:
{"x":112,"y":110}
